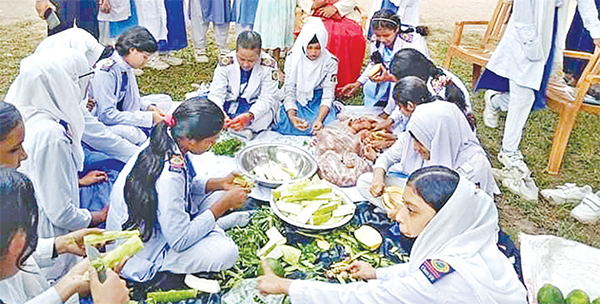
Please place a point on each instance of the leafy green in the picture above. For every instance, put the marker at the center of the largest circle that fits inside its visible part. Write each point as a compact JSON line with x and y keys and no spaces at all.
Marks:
{"x":227,"y":146}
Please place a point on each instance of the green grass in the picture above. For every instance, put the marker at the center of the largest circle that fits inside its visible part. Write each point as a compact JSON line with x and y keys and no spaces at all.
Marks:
{"x":581,"y":163}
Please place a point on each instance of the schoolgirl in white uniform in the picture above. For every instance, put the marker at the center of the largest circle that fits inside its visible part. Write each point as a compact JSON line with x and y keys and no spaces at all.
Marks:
{"x":309,"y":88}
{"x":245,"y":85}
{"x":20,"y":278}
{"x":159,"y":193}
{"x":389,"y":39}
{"x":114,"y":88}
{"x":48,"y":95}
{"x":454,"y":258}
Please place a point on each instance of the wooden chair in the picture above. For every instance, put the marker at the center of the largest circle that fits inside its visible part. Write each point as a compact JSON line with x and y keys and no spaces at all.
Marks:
{"x":568,"y":107}
{"x":480,"y":55}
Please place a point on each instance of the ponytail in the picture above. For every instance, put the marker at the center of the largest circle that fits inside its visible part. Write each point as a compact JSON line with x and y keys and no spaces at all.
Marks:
{"x":197,"y":119}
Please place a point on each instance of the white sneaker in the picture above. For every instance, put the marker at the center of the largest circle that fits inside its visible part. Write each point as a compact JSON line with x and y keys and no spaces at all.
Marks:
{"x":514,"y":160}
{"x":490,"y":115}
{"x":170,"y":59}
{"x":588,"y":211}
{"x":569,"y":193}
{"x":154,"y":62}
{"x":200,"y":56}
{"x":525,"y":187}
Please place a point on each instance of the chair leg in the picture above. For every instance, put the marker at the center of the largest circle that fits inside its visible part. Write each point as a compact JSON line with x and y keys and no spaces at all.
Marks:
{"x":561,"y":138}
{"x":448,"y":60}
{"x":476,"y":74}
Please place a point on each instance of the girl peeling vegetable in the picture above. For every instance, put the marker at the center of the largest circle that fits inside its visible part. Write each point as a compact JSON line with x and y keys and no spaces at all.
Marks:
{"x":454,"y":258}
{"x":159,"y":193}
{"x":311,"y":75}
{"x":438,"y":134}
{"x":20,"y":278}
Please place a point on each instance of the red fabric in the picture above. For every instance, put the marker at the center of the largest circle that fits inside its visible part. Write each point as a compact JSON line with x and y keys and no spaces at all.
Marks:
{"x":347,"y":43}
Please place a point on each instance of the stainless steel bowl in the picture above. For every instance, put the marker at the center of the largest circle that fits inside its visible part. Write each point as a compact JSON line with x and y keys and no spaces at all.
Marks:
{"x":256,"y":155}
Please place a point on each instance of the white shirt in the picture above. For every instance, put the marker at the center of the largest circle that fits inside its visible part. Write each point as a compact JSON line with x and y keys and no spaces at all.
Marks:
{"x":52,"y":169}
{"x":260,"y":91}
{"x":394,"y":284}
{"x":32,"y":288}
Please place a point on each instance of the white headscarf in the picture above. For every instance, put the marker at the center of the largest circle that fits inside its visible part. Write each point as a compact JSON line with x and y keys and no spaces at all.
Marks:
{"x":48,"y":82}
{"x":74,"y":38}
{"x":305,"y":72}
{"x":443,"y":129}
{"x":78,"y":39}
{"x":464,"y":234}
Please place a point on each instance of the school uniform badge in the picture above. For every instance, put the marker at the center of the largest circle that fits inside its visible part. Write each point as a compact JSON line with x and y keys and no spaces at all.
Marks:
{"x":408,"y":37}
{"x":176,"y":163}
{"x":268,"y":62}
{"x":225,"y":61}
{"x":435,"y":269}
{"x":275,"y":75}
{"x":106,"y":64}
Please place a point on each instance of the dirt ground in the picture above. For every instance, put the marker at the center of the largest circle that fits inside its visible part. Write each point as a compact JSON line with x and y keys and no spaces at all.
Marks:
{"x":433,"y":12}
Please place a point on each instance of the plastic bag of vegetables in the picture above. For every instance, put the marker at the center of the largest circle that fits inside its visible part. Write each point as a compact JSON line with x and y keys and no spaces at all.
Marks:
{"x":246,"y":293}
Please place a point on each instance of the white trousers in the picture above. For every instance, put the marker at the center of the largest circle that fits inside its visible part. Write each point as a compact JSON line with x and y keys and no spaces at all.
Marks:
{"x":200,"y":29}
{"x":518,"y":102}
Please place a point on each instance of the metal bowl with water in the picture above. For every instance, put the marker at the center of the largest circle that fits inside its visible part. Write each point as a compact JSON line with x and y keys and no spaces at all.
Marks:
{"x":289,"y":157}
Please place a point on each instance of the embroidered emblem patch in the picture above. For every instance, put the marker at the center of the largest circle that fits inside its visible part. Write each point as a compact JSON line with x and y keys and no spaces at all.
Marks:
{"x":275,"y":75}
{"x":176,"y":163}
{"x":106,"y":64}
{"x":434,"y":269}
{"x":334,"y":78}
{"x":408,"y":37}
{"x":269,"y":62}
{"x":225,"y":61}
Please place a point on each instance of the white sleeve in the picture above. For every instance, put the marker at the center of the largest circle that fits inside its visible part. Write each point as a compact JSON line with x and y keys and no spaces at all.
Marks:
{"x":43,"y":252}
{"x":178,"y":229}
{"x":364,"y":77}
{"x":99,"y":137}
{"x":329,"y":83}
{"x":414,"y":288}
{"x":218,"y":86}
{"x":387,"y":273}
{"x":589,"y":15}
{"x":268,"y":92}
{"x":106,"y":101}
{"x":345,"y":7}
{"x":56,"y":178}
{"x":289,"y":88}
{"x":392,"y":155}
{"x":50,"y":296}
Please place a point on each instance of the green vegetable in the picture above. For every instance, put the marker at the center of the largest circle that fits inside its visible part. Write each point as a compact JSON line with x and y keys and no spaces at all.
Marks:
{"x":171,"y":295}
{"x":227,"y":146}
{"x":243,"y":181}
{"x":550,"y":294}
{"x":290,"y":254}
{"x":597,"y":301}
{"x":275,"y":265}
{"x":106,"y":236}
{"x":127,"y":249}
{"x":577,"y":296}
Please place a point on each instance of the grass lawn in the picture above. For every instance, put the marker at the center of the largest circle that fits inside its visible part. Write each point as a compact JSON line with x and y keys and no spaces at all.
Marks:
{"x":581,"y":163}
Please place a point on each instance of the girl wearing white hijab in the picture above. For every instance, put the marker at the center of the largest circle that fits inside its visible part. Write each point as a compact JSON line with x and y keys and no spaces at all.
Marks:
{"x":454,"y":259}
{"x":310,"y":79}
{"x":47,"y":92}
{"x":438,"y":133}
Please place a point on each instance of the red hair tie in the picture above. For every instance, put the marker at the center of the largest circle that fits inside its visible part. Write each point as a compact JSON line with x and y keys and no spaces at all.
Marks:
{"x":169,"y":120}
